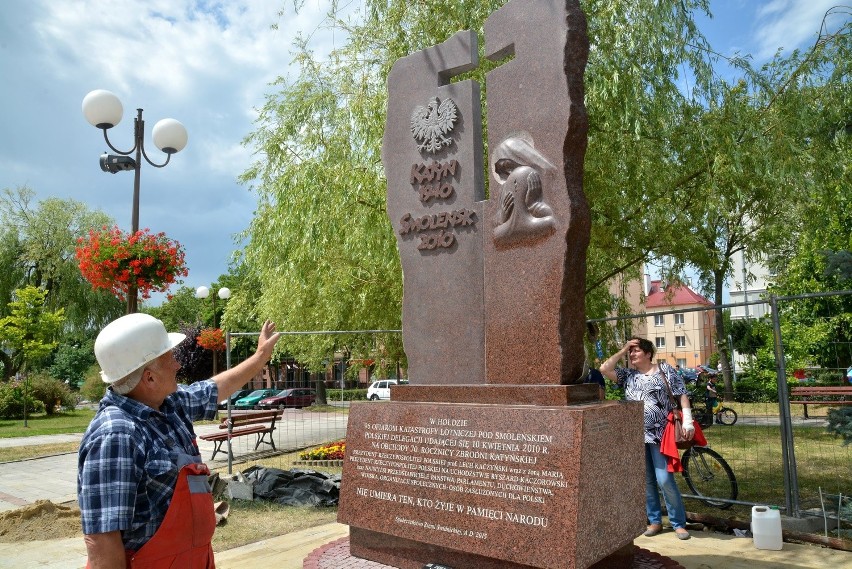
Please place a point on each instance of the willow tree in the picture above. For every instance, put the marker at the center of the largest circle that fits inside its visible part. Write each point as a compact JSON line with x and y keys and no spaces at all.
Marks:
{"x":321,"y":242}
{"x":758,"y":146}
{"x":37,"y":245}
{"x":816,"y":255}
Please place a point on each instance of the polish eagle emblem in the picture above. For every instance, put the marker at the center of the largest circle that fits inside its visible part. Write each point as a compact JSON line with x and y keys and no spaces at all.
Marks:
{"x":431,"y":123}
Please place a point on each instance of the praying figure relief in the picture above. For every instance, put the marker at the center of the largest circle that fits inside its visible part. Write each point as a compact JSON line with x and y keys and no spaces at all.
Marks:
{"x":522,"y":214}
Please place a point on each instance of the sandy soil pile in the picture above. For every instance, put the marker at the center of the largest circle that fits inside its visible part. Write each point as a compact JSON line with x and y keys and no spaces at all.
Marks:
{"x":40,"y":521}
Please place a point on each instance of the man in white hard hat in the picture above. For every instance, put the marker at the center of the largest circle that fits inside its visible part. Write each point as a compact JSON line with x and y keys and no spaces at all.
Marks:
{"x":142,"y":488}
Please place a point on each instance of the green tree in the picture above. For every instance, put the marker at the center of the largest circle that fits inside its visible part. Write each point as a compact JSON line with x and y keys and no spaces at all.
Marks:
{"x":180,"y":309}
{"x":38,"y":242}
{"x":814,"y":256}
{"x":72,"y":359}
{"x":321,"y":242}
{"x":30,"y":331}
{"x":681,"y":164}
{"x":748,"y":336}
{"x":796,"y":144}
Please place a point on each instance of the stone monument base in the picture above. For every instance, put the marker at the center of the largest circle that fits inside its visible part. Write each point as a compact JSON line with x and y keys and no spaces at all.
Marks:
{"x":548,"y":395}
{"x":493,"y":486}
{"x":336,"y":554}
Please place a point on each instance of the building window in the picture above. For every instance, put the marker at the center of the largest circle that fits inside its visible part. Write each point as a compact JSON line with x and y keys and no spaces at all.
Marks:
{"x":661,"y":342}
{"x":659,"y":320}
{"x":680,"y":341}
{"x":681,"y":362}
{"x":678,"y":319}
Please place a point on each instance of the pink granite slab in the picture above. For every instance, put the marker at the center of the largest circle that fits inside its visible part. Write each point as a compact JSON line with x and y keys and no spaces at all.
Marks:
{"x":535,"y":285}
{"x":439,"y":235}
{"x":552,"y":395}
{"x":547,"y":487}
{"x":336,"y":555}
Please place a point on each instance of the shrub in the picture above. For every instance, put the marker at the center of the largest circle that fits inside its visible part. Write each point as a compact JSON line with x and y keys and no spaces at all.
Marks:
{"x":840,"y":423}
{"x":751,"y":389}
{"x":93,"y":387}
{"x":12,"y":401}
{"x":348,"y":395}
{"x":72,"y":360}
{"x":51,"y":392}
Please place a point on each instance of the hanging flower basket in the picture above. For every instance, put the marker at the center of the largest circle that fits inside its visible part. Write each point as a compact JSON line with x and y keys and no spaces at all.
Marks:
{"x":113,"y":260}
{"x":212,"y":339}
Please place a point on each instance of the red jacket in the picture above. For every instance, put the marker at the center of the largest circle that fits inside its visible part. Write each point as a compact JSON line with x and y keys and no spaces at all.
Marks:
{"x":669,"y":449}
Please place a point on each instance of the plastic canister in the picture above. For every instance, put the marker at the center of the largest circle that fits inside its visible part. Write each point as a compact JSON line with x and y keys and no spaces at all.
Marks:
{"x":766,"y":527}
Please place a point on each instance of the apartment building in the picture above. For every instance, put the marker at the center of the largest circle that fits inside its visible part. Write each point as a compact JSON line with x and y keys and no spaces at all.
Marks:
{"x":748,"y":284}
{"x":685,"y":339}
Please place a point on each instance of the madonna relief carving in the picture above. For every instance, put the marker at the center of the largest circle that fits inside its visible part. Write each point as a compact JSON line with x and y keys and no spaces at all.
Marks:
{"x":522,"y":215}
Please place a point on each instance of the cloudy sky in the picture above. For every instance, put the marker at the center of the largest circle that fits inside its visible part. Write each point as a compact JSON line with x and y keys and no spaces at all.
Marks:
{"x":208,"y":64}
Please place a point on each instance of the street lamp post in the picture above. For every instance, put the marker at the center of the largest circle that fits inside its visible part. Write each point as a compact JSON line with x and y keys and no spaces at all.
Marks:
{"x":224,"y":293}
{"x":104,"y":110}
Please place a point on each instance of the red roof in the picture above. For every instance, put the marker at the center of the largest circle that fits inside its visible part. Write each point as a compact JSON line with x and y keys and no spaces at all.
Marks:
{"x":673,"y":295}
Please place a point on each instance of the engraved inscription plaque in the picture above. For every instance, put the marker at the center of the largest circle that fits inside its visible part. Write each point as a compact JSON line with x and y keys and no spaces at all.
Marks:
{"x":480,"y":478}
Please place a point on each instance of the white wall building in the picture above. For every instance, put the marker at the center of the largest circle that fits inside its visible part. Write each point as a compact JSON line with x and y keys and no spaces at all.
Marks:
{"x":748,"y":284}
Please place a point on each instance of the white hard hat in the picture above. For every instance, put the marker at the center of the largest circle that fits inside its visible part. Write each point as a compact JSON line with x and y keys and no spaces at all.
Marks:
{"x":130,"y":342}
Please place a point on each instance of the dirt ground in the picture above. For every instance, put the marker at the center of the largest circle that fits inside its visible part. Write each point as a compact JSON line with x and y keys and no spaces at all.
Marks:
{"x":40,"y":521}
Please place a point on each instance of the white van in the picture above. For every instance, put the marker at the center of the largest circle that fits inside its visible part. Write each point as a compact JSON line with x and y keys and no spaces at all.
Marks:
{"x":380,"y":389}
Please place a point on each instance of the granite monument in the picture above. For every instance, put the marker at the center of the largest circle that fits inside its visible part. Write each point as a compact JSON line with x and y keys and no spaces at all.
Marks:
{"x":495,"y":455}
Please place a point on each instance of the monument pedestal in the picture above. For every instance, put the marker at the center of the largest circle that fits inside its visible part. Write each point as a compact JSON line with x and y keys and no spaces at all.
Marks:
{"x":336,"y":554}
{"x":494,"y":485}
{"x":547,"y":395}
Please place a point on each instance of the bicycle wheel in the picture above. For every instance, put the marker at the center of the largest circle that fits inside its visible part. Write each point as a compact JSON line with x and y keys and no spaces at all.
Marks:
{"x":709,"y":476}
{"x":701,"y":417}
{"x":726,"y":416}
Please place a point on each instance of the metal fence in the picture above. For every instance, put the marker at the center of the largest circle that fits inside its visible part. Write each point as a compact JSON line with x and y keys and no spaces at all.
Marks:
{"x":297,"y":428}
{"x":778,"y":456}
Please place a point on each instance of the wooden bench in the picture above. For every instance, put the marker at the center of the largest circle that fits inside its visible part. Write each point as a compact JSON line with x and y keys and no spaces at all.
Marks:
{"x":259,"y":423}
{"x":840,"y":395}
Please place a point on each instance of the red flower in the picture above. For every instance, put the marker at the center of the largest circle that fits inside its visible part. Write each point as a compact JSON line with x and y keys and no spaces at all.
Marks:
{"x":111,"y":260}
{"x":211,"y":339}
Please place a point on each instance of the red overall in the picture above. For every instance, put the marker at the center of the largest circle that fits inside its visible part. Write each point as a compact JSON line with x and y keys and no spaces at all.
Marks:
{"x":183,"y":539}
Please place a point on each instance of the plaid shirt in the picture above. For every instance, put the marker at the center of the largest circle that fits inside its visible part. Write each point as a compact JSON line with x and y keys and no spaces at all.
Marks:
{"x":129,"y":456}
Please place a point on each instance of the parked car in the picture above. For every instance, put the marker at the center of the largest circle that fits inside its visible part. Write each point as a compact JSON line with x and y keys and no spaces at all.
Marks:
{"x":289,"y":398}
{"x":380,"y":389}
{"x":238,"y":394}
{"x":250,"y":400}
{"x":689,"y":375}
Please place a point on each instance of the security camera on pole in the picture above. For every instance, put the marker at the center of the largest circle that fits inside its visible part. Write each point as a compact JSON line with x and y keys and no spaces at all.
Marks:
{"x":104,"y":110}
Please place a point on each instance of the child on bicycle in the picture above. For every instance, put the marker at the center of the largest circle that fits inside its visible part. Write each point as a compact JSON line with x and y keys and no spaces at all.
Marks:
{"x":711,"y":398}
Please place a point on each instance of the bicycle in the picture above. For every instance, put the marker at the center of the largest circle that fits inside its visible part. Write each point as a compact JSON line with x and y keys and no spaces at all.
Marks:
{"x":723,"y":415}
{"x":709,"y":476}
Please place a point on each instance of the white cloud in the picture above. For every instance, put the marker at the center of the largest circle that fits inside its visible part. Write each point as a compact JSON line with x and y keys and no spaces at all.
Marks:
{"x":207,"y":63}
{"x":788,"y":24}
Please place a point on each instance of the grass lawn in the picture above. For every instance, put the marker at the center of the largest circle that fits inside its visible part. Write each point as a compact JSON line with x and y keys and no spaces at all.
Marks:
{"x":249,"y":521}
{"x":74,"y":421}
{"x":755,"y":455}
